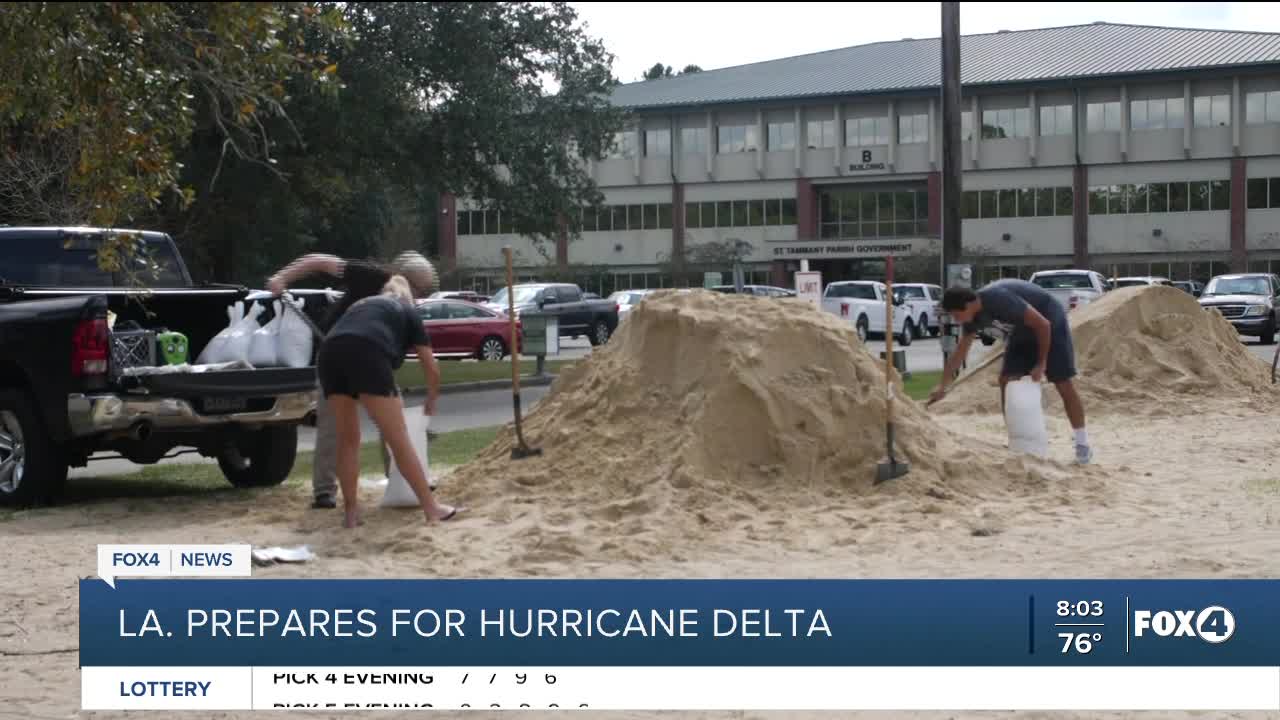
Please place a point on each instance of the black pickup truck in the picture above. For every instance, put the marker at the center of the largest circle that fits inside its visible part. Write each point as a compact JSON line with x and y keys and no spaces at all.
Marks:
{"x":63,"y":397}
{"x":576,"y":315}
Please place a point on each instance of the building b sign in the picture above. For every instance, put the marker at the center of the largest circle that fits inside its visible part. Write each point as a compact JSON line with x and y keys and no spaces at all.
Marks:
{"x":838,"y":249}
{"x":865,"y":162}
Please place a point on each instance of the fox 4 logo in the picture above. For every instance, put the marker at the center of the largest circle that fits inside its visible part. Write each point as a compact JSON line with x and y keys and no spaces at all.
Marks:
{"x":1214,"y":624}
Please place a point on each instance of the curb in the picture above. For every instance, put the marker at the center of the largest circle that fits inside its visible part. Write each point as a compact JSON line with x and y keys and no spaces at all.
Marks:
{"x":452,"y":388}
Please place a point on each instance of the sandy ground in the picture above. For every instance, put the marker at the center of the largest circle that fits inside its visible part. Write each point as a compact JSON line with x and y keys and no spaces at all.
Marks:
{"x":1174,"y":495}
{"x":1170,"y":498}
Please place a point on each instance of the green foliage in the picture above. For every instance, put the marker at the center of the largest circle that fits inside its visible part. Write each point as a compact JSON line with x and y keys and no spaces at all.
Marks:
{"x":657,"y":71}
{"x":124,"y":82}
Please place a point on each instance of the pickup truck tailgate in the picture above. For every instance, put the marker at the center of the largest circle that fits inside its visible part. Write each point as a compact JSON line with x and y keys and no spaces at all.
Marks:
{"x":263,"y":382}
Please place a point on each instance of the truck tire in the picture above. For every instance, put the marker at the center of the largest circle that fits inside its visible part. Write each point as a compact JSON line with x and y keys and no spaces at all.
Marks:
{"x":922,"y":329}
{"x":908,"y":332}
{"x":260,"y":458}
{"x":599,"y":333}
{"x":1268,"y":335}
{"x":30,"y":470}
{"x":862,"y":328}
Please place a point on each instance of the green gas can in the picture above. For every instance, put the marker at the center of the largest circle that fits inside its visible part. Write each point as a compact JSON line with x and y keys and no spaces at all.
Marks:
{"x":172,"y":347}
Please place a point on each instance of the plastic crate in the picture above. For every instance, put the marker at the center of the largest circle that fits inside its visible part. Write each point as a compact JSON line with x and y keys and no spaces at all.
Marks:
{"x":133,"y":348}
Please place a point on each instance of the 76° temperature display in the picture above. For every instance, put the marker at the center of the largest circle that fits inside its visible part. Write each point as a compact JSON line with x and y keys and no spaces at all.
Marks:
{"x":1079,"y":625}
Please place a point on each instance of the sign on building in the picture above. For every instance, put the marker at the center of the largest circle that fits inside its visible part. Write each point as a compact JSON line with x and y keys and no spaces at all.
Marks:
{"x":835,"y":249}
{"x":809,"y":287}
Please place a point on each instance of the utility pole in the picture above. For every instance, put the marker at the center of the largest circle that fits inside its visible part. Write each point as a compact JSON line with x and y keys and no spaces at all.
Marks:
{"x":951,"y":159}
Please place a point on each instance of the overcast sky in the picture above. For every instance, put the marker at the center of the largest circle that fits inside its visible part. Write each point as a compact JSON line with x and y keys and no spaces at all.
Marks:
{"x":713,"y":36}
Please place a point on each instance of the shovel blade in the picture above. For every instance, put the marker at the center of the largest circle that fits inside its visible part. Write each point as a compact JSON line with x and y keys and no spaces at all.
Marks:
{"x":891,"y":469}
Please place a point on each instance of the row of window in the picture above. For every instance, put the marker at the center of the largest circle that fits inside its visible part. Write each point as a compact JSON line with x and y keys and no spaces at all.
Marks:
{"x":1017,"y":202}
{"x":1264,"y":193}
{"x":1194,"y":196}
{"x":740,"y":213}
{"x":1144,"y":114}
{"x":873,"y":213}
{"x":650,"y":216}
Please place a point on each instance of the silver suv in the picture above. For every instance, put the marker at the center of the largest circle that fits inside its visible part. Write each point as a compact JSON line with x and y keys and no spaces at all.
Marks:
{"x":1250,"y":302}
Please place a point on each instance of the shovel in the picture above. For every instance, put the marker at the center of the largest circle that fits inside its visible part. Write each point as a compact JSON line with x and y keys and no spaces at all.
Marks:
{"x":891,"y":467}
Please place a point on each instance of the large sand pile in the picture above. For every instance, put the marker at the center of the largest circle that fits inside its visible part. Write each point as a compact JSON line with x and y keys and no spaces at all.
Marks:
{"x":704,"y":401}
{"x":1142,"y":350}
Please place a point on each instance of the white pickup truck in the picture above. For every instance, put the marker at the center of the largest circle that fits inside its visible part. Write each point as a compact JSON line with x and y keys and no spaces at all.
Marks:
{"x":862,"y":304}
{"x":1072,"y":288}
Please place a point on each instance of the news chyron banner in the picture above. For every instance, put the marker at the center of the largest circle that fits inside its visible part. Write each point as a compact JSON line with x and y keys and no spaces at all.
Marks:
{"x":221,"y":641}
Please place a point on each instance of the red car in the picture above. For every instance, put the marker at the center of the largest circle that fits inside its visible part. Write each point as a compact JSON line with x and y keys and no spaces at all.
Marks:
{"x":458,"y":327}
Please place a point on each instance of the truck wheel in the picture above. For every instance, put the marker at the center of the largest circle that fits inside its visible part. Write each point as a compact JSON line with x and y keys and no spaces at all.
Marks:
{"x":908,"y":332}
{"x":491,"y":348}
{"x":30,"y":471}
{"x":260,"y":458}
{"x":1268,"y":335}
{"x":599,"y":333}
{"x":861,"y":328}
{"x":922,"y":329}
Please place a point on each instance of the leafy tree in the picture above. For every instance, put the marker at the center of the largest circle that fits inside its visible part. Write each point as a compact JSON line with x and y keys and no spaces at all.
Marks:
{"x":122,"y":82}
{"x":436,"y":97}
{"x":688,"y":69}
{"x":657,"y":71}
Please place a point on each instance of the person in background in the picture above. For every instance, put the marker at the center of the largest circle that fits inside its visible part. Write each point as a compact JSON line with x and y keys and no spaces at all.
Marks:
{"x":1039,"y":343}
{"x":357,"y":279}
{"x":357,"y":365}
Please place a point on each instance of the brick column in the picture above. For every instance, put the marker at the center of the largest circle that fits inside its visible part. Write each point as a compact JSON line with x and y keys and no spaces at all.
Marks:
{"x":1080,"y":217}
{"x":1239,"y":250}
{"x":935,"y":204}
{"x":778,"y":274}
{"x":806,"y":210}
{"x":447,"y":232}
{"x":562,"y":242}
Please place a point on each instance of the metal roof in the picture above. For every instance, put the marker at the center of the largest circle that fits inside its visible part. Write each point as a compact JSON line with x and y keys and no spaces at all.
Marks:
{"x":1078,"y":51}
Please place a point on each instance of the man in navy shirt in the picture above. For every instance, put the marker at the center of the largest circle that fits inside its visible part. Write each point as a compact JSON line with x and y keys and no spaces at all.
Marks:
{"x":1038,"y":342}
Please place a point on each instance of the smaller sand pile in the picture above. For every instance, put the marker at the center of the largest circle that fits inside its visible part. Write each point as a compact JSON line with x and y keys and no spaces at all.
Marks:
{"x":1150,"y":350}
{"x":704,"y":403}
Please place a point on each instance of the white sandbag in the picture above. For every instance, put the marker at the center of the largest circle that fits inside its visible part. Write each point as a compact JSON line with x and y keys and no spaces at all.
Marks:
{"x":213,"y":350}
{"x":265,"y":341}
{"x":398,"y":493}
{"x":236,"y":347}
{"x":294,"y":339}
{"x":1024,"y":418}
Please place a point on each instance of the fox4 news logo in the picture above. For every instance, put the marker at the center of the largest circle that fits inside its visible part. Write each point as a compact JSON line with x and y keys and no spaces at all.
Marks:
{"x":1214,"y":624}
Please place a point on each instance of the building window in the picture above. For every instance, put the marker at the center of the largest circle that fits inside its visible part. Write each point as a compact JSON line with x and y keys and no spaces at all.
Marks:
{"x":664,"y":216}
{"x":1275,"y":192}
{"x":970,"y":210}
{"x":822,"y":134}
{"x":624,"y":144}
{"x":657,"y":143}
{"x":1155,"y":114}
{"x":1099,"y":199}
{"x":913,"y":129}
{"x":692,"y":216}
{"x":1257,"y":194}
{"x":788,"y":211}
{"x":1158,"y":197}
{"x":1212,"y":111}
{"x":1220,"y":195}
{"x":1199,"y":196}
{"x":464,"y":217}
{"x":1007,"y":123}
{"x":738,"y":138}
{"x":1137,"y":198}
{"x":741,"y":213}
{"x":693,"y":141}
{"x":871,"y":214}
{"x":1179,"y":197}
{"x":1055,"y":120}
{"x":1102,"y":117}
{"x":1262,"y":107}
{"x":1064,"y":201}
{"x":987,"y":204}
{"x":724,"y":214}
{"x":864,"y":132}
{"x":782,"y":136}
{"x":1044,"y":202}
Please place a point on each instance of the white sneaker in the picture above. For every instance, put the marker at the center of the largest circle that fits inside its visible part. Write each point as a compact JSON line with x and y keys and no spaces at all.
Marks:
{"x":1084,"y":454}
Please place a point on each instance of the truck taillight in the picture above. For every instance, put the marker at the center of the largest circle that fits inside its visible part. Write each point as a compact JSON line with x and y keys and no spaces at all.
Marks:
{"x":1075,"y":300}
{"x":844,"y":309}
{"x":90,"y":348}
{"x":617,"y":308}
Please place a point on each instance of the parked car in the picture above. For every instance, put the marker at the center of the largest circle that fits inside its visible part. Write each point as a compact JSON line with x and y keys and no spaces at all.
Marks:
{"x":862,"y":304}
{"x":1250,"y":302}
{"x":757,"y":290}
{"x":460,"y":328}
{"x":467,"y":295}
{"x":65,"y":396}
{"x":1189,"y":286}
{"x":595,"y":319}
{"x":1072,"y":288}
{"x":1117,"y":283}
{"x":925,"y":302}
{"x":627,"y":300}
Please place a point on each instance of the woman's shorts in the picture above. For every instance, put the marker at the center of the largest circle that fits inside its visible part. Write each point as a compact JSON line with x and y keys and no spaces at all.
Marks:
{"x":353,"y":367}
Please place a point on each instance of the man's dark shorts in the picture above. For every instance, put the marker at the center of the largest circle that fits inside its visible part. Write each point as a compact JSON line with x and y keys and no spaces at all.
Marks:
{"x":1022,"y":352}
{"x":353,"y":366}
